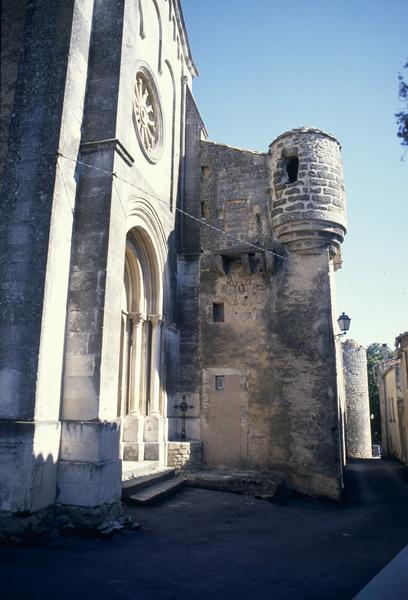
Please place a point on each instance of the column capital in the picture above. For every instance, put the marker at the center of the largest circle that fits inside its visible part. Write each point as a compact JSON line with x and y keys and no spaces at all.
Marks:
{"x":137,"y":317}
{"x":155,"y":320}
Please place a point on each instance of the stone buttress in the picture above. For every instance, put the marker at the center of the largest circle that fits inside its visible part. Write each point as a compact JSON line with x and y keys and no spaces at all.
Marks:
{"x":37,"y":203}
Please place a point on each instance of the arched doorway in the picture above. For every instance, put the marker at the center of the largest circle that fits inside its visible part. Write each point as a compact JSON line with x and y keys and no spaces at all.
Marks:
{"x":139,"y":394}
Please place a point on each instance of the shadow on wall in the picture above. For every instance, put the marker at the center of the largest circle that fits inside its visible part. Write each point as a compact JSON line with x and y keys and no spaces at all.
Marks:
{"x":28,"y":482}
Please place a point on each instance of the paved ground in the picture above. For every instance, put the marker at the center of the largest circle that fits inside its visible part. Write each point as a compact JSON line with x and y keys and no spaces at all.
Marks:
{"x":213,"y":545}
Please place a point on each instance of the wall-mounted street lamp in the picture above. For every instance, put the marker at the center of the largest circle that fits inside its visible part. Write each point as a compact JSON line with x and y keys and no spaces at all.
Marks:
{"x":344,"y":324}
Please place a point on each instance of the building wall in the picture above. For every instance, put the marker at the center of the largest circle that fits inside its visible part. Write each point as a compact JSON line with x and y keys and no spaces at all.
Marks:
{"x":37,"y":197}
{"x":64,"y":234}
{"x":142,"y":79}
{"x":392,"y":381}
{"x":12,"y":28}
{"x":389,"y":412}
{"x":401,"y":343}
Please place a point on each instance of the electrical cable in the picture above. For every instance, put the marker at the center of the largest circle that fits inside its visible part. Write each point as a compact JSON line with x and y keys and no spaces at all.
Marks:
{"x":180,"y":210}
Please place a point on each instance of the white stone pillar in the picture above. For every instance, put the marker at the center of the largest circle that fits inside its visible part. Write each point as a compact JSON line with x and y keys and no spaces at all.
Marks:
{"x":133,"y":421}
{"x":137,"y":319}
{"x":154,"y":409}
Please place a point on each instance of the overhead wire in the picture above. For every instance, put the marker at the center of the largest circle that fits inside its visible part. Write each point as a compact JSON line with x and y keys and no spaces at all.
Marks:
{"x":114,"y":176}
{"x":66,"y":189}
{"x":179,"y":210}
{"x":203,"y":222}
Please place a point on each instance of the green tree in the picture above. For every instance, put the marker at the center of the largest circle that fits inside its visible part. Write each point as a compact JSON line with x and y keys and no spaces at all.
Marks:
{"x":375,"y":356}
{"x":402,"y":115}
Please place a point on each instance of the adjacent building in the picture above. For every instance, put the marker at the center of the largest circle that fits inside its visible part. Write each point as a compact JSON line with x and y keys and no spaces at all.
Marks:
{"x":392,"y":378}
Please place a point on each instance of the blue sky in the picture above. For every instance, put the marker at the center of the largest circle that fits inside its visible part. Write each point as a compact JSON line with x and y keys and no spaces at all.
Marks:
{"x":267,"y":66}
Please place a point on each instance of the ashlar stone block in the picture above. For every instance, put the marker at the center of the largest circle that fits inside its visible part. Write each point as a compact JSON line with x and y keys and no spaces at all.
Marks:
{"x":90,"y":441}
{"x":89,"y":484}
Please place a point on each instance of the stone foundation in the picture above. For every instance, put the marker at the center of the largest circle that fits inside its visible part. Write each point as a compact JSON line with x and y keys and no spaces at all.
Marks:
{"x":57,"y":517}
{"x":184,"y":455}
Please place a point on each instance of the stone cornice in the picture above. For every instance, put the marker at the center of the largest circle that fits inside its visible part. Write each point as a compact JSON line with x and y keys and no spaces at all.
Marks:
{"x":109,"y":144}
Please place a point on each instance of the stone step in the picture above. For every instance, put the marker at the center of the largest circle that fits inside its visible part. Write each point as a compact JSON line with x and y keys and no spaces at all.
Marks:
{"x":260,"y":485}
{"x":157,"y":491}
{"x":131,"y":469}
{"x":143,"y":481}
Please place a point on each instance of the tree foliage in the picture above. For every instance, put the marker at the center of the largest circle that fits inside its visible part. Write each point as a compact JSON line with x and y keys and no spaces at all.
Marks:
{"x":375,"y":356}
{"x":402,"y":115}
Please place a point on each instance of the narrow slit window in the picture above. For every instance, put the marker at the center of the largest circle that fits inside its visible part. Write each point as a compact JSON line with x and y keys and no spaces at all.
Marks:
{"x":292,"y":168}
{"x":218,"y":312}
{"x":219,"y":383}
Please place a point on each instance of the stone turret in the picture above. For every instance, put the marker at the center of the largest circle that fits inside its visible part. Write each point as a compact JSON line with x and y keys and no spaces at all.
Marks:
{"x":357,"y":400}
{"x":308,"y":202}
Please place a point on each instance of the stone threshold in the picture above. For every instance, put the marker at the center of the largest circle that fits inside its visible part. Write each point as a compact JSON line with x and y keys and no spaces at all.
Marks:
{"x":258,"y":484}
{"x":132,"y":469}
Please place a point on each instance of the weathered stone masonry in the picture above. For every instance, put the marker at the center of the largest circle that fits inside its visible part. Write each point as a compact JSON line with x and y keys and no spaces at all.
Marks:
{"x":84,"y":257}
{"x":357,"y":400}
{"x":273,"y":346}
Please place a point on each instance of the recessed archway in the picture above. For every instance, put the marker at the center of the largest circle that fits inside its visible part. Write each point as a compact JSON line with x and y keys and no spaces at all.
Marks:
{"x":140,"y":403}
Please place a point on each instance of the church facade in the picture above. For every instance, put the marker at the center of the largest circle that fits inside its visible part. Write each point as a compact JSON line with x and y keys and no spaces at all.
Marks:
{"x":143,"y":266}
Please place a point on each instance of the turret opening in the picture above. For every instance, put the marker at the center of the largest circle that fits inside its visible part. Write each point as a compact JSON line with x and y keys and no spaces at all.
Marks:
{"x":292,"y":168}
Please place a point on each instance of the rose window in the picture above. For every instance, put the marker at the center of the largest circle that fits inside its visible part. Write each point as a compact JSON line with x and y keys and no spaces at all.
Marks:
{"x":147,"y":116}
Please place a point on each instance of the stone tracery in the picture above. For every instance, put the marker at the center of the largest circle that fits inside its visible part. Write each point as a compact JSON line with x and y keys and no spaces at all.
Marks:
{"x":147,"y":116}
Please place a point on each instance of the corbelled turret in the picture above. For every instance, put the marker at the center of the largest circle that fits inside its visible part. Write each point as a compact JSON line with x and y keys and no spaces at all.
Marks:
{"x":308,"y":202}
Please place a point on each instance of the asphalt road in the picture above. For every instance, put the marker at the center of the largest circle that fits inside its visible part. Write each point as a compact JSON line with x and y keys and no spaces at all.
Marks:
{"x":214,"y":545}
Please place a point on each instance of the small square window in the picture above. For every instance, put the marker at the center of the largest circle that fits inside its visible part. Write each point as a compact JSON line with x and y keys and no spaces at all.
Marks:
{"x":219,"y":382}
{"x":218,"y":312}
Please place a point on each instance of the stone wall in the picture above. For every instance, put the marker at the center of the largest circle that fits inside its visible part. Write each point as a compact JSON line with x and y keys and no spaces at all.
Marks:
{"x":269,"y":390}
{"x":357,"y":400}
{"x":188,"y":275}
{"x":11,"y":40}
{"x":37,"y":199}
{"x":184,"y":455}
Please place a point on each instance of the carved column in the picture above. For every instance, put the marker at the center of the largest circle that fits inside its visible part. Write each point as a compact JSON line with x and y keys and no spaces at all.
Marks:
{"x":156,"y":321}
